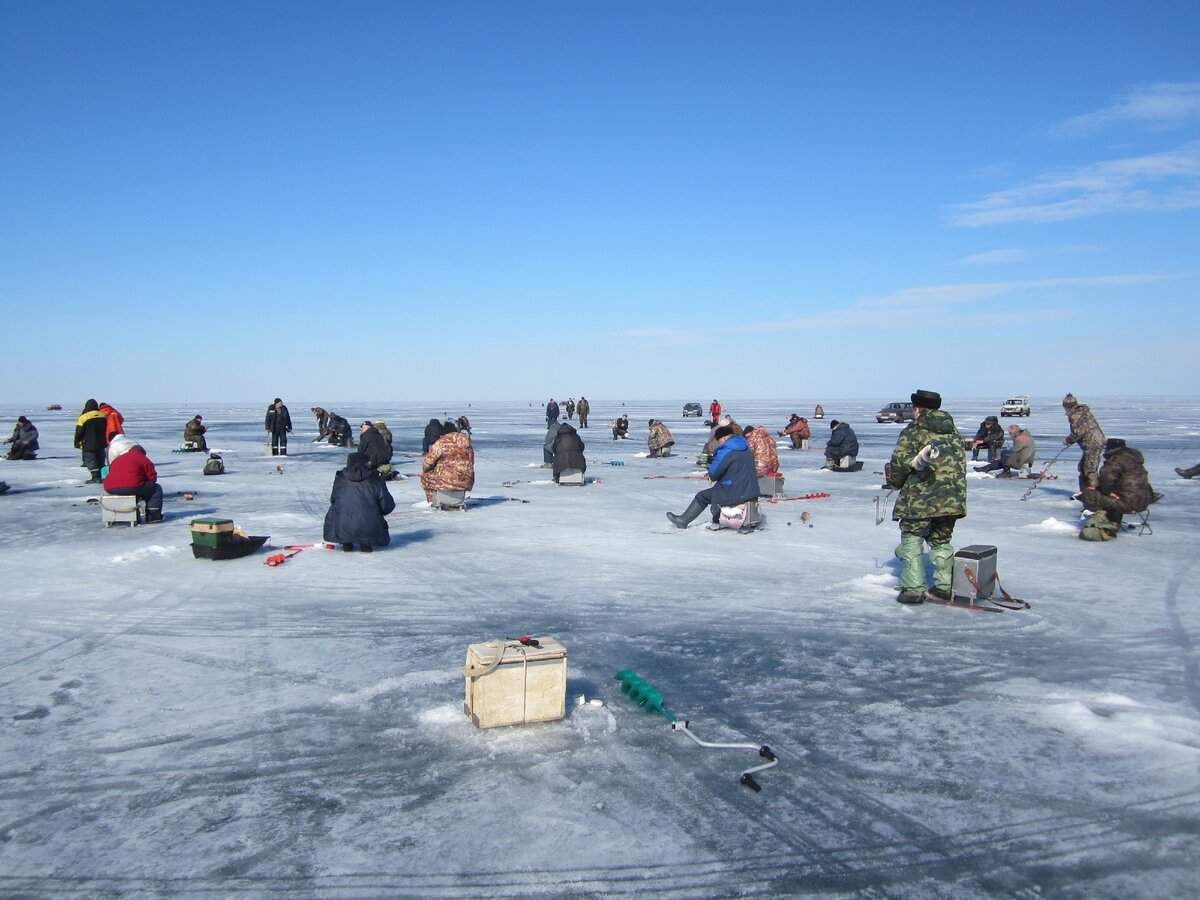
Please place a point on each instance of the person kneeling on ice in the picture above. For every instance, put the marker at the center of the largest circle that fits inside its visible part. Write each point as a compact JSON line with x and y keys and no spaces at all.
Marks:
{"x":132,"y":474}
{"x":842,"y":449}
{"x":621,"y":428}
{"x":1013,"y":461}
{"x":660,"y":440}
{"x":24,"y":440}
{"x":357,"y":507}
{"x":1122,"y":486}
{"x":929,"y":468}
{"x":732,"y":474}
{"x":567,"y":451}
{"x":449,"y":465}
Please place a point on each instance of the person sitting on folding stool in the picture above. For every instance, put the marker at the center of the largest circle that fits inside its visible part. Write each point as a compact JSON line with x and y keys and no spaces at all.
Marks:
{"x":1122,"y":485}
{"x":132,"y":474}
{"x":732,"y":474}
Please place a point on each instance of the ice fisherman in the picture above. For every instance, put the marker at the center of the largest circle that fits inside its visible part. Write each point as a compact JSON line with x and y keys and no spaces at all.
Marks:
{"x":449,"y":465}
{"x":551,"y":413}
{"x":567,"y":451}
{"x":1021,"y":456}
{"x":193,"y":433}
{"x":132,"y":474}
{"x":357,"y":506}
{"x":621,"y":427}
{"x":278,"y":422}
{"x":989,"y":437}
{"x":660,"y":440}
{"x":372,"y":445}
{"x":841,"y":451}
{"x":583,"y":409}
{"x":797,"y":429}
{"x":762,"y":445}
{"x":1085,"y":431}
{"x":732,"y":475}
{"x":322,"y":418}
{"x":24,"y":440}
{"x":929,"y":468}
{"x":91,"y":439}
{"x":1122,"y":486}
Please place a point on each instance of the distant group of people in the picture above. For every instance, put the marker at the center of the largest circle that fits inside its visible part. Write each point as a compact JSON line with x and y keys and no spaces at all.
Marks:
{"x":583,"y":408}
{"x":927,"y":467}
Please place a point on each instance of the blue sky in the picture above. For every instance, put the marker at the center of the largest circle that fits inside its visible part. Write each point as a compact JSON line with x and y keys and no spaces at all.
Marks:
{"x":626,"y":200}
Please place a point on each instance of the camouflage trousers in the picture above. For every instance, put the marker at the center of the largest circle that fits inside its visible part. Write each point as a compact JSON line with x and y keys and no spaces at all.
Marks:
{"x":1089,"y":464}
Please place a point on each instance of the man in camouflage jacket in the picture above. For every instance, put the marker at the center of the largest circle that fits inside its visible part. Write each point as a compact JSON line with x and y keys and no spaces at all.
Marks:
{"x":1085,"y":431}
{"x":929,"y":468}
{"x":660,"y":439}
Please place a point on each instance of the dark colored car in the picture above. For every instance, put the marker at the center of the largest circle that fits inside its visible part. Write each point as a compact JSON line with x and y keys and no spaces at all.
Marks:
{"x":692,"y":409}
{"x":895,"y":412}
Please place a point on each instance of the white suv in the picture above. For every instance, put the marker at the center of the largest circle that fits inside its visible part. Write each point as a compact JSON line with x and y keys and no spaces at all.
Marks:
{"x":1016,"y":406}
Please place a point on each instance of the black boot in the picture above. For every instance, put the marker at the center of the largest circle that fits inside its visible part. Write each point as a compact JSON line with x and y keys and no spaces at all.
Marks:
{"x":682,"y":521}
{"x":1188,"y":473}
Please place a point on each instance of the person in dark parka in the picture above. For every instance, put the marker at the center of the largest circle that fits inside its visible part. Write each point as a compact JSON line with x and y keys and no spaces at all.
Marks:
{"x":372,"y":445}
{"x":24,"y":440}
{"x":733,"y":477}
{"x":568,"y":451}
{"x":433,"y":431}
{"x":1122,"y":485}
{"x":843,"y":442}
{"x":989,"y":437}
{"x":90,"y":437}
{"x":357,"y":507}
{"x":277,"y":422}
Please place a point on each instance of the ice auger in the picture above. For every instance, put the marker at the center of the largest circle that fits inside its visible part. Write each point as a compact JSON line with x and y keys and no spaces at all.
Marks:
{"x":650,"y":699}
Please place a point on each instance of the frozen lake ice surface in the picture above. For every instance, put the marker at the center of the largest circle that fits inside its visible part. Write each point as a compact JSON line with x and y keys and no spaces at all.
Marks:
{"x":174,"y":726}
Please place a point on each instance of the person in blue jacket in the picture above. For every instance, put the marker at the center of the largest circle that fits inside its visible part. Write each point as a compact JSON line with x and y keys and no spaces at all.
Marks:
{"x":357,"y":507}
{"x":732,"y":474}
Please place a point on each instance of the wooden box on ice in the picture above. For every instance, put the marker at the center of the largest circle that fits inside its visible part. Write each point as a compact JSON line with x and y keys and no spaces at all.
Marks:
{"x":529,"y":684}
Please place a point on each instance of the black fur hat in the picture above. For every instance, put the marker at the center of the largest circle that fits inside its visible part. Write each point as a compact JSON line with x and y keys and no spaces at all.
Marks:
{"x":927,"y":399}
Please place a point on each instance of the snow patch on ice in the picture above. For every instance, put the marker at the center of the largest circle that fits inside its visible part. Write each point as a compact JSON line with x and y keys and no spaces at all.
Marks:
{"x":421,"y":504}
{"x":143,"y":552}
{"x":421,"y":678}
{"x":872,"y":585}
{"x":449,"y":714}
{"x":1052,"y":526}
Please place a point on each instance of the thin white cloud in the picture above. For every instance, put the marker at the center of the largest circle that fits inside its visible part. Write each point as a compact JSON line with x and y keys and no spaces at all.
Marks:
{"x":1157,"y":106}
{"x":991,"y":257}
{"x":953,"y":305}
{"x":1157,"y":182}
{"x":1023,"y":254}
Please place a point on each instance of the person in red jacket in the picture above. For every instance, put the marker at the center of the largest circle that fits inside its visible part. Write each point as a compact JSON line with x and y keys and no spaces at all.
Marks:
{"x":132,"y":474}
{"x":114,"y":424}
{"x":714,"y":412}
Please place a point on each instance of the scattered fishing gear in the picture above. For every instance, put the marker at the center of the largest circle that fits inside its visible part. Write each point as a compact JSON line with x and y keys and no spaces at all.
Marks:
{"x":881,"y":504}
{"x":816,"y":495}
{"x":280,"y":558}
{"x":1042,"y":474}
{"x":650,"y":699}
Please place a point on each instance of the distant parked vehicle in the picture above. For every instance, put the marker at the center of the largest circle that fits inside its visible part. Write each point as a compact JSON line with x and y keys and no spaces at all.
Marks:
{"x":692,"y":409}
{"x":1016,"y":406}
{"x":895,"y":412}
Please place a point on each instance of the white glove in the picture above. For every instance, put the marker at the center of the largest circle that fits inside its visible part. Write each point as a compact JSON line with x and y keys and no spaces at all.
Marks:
{"x":927,"y":455}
